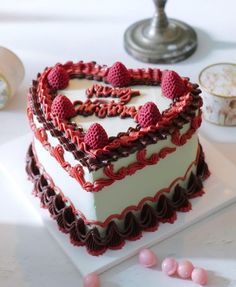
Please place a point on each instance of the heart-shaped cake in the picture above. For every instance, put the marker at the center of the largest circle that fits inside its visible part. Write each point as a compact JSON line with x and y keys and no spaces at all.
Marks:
{"x":115,"y":150}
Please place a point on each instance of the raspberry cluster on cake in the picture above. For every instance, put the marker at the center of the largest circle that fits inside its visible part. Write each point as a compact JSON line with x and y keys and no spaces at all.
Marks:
{"x":115,"y":150}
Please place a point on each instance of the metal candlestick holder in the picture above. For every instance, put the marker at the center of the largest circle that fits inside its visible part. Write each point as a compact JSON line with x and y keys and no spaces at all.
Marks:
{"x":160,"y":39}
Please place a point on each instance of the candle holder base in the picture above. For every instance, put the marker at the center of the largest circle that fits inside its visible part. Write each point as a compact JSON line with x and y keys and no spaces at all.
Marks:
{"x":172,"y":44}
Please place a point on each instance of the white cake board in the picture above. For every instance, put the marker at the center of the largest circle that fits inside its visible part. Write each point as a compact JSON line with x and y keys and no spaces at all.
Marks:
{"x":220,"y":191}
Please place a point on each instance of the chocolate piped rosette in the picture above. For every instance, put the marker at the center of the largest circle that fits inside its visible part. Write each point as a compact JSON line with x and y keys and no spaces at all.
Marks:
{"x":115,"y":150}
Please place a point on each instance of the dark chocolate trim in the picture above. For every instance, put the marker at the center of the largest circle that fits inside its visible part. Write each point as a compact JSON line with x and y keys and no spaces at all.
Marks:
{"x":133,"y":226}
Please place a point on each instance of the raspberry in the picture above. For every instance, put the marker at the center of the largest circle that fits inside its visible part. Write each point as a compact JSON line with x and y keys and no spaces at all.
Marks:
{"x":96,"y":137}
{"x":118,"y":75}
{"x":172,"y":85}
{"x":58,"y":78}
{"x":62,"y":107}
{"x":148,"y":115}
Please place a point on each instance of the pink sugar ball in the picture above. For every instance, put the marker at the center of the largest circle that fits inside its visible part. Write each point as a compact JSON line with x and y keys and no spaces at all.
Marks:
{"x":169,"y":266}
{"x":185,"y":269}
{"x":91,"y":280}
{"x":147,"y":258}
{"x":199,"y":276}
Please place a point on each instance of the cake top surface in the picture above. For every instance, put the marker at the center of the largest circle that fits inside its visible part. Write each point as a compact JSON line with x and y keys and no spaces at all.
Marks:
{"x":77,"y":90}
{"x":132,"y":108}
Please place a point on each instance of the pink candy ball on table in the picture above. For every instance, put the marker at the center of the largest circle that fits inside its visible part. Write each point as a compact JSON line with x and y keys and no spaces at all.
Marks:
{"x":91,"y":280}
{"x":199,"y":276}
{"x":185,"y":269}
{"x":147,"y":258}
{"x":169,"y":266}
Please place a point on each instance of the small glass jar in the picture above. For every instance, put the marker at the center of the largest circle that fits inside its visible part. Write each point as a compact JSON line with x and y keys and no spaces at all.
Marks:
{"x":11,"y":75}
{"x":218,"y":82}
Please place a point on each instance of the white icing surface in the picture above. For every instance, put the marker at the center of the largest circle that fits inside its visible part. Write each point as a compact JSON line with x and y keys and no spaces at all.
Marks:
{"x":113,"y":125}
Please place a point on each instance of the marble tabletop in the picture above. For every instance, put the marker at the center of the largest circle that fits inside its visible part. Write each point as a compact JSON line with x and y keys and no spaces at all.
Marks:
{"x":43,"y":33}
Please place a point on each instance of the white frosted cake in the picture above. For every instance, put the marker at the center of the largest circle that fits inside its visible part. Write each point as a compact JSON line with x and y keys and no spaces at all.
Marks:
{"x":115,"y":150}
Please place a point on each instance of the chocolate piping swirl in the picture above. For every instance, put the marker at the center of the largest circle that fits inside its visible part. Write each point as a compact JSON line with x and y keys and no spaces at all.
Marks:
{"x":133,"y":225}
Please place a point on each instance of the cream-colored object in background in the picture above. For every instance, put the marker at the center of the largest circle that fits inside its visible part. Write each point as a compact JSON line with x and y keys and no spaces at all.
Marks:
{"x":219,"y":93}
{"x":11,"y":75}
